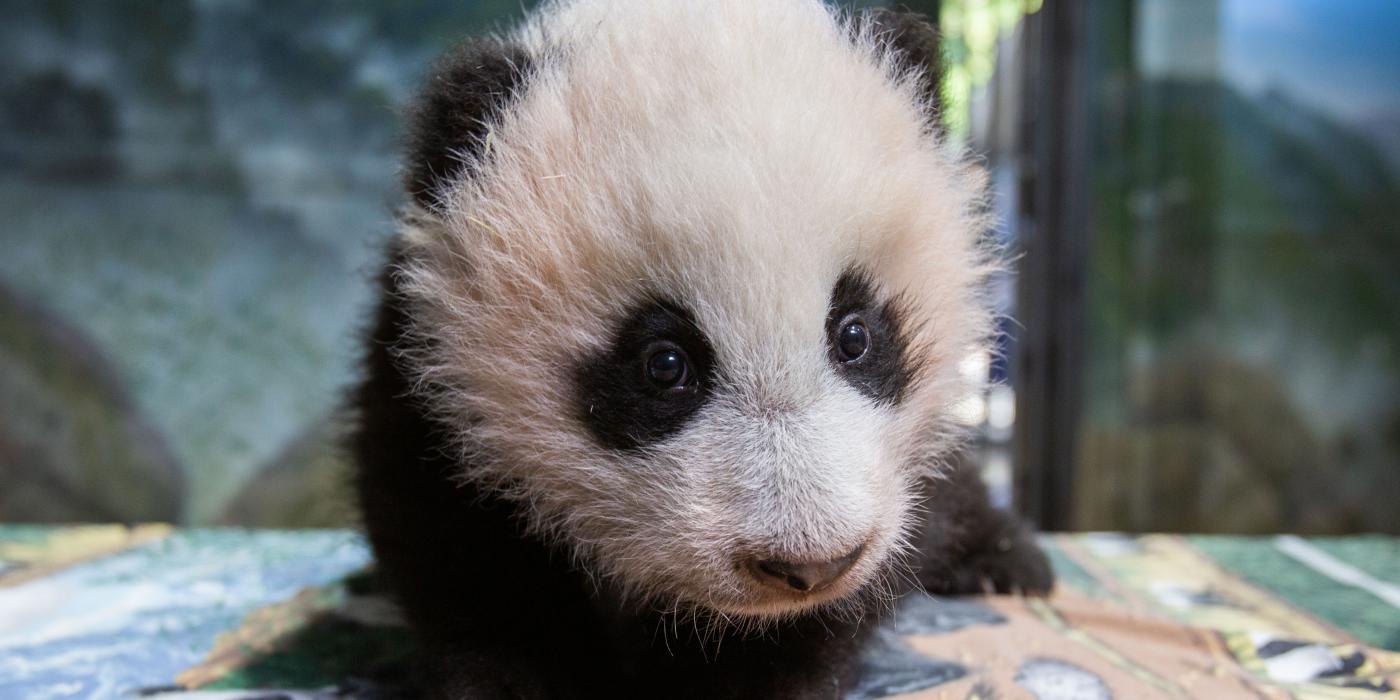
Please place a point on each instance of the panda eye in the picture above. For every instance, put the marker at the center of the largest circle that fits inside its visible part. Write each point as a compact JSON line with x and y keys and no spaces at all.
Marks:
{"x":668,"y":368}
{"x":852,"y":340}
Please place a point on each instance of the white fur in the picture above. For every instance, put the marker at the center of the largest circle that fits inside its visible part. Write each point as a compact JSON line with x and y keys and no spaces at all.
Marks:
{"x":737,"y":156}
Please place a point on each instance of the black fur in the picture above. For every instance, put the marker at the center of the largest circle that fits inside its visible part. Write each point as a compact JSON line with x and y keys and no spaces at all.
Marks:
{"x":617,"y":402}
{"x":466,"y":91}
{"x":486,"y":601}
{"x":966,"y":545}
{"x":914,"y":44}
{"x":885,"y":371}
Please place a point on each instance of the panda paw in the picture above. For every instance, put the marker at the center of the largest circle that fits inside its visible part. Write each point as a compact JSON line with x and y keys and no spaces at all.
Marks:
{"x":1011,"y":564}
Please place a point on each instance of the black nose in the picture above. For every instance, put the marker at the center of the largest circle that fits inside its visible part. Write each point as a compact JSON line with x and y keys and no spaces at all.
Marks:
{"x":803,"y":576}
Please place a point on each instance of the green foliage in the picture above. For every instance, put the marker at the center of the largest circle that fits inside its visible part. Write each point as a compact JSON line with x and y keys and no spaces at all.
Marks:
{"x":970,"y":30}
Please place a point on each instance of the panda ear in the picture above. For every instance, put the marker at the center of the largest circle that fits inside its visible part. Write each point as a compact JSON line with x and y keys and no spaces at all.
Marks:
{"x":464,"y":95}
{"x":912,"y":42}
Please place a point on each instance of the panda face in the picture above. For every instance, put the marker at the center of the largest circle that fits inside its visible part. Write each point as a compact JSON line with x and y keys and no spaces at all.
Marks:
{"x":767,"y":459}
{"x":700,"y":304}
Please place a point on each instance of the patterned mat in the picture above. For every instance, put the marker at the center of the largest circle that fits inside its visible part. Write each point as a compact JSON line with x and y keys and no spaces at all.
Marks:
{"x":110,"y":611}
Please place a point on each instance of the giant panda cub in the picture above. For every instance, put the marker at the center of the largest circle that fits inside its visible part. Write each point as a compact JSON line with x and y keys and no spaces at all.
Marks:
{"x":658,"y":396}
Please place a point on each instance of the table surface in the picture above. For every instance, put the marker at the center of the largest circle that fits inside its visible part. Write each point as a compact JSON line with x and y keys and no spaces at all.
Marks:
{"x":109,"y":611}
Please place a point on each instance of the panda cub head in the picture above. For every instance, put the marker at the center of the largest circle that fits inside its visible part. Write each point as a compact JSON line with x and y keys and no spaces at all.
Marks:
{"x":689,"y":282}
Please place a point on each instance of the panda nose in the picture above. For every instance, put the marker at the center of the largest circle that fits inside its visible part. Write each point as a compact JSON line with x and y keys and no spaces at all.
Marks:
{"x":803,"y":576}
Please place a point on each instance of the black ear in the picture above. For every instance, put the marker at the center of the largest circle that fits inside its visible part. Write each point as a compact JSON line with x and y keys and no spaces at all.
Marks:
{"x":913,"y":42}
{"x":464,"y":94}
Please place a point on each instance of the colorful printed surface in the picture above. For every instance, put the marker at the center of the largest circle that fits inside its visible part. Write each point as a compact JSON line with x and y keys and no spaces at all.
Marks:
{"x":111,"y":611}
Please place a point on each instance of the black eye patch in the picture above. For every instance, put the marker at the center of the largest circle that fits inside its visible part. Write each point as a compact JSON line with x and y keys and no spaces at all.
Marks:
{"x":620,"y":398}
{"x":883,"y":371}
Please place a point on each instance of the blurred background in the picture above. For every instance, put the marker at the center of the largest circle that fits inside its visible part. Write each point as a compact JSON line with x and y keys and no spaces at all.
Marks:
{"x":1203,"y":197}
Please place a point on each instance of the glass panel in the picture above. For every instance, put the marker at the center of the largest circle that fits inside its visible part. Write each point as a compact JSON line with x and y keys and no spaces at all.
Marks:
{"x":1242,"y":357}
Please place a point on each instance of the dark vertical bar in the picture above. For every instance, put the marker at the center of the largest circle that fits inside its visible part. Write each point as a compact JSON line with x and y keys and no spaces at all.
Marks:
{"x":1051,"y":299}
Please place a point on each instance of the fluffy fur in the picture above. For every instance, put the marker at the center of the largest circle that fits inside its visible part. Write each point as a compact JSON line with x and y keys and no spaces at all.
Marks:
{"x":742,"y":161}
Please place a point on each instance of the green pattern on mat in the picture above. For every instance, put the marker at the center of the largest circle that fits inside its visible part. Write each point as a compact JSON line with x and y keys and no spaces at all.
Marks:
{"x":1377,"y":555}
{"x":1352,"y":609}
{"x":26,"y":534}
{"x":1067,"y":571}
{"x":325,"y":653}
